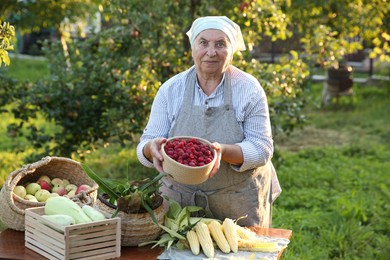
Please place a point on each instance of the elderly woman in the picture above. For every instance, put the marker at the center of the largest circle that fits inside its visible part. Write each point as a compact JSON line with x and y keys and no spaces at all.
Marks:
{"x":218,"y":102}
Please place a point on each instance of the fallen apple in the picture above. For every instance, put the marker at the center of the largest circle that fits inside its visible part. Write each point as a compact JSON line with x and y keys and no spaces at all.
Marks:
{"x":42,"y":195}
{"x":32,"y":188}
{"x":20,"y":191}
{"x":83,"y":187}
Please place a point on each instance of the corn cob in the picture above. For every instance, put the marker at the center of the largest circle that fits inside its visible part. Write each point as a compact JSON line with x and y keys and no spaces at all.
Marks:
{"x":257,"y":245}
{"x":230,"y":231}
{"x":205,"y":240}
{"x":245,"y":233}
{"x":193,"y":240}
{"x":217,"y":233}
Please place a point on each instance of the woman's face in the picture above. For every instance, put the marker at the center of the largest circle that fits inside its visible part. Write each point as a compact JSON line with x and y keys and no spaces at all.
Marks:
{"x":212,"y":52}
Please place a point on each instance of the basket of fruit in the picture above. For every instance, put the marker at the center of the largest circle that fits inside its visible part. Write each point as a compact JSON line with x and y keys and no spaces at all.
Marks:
{"x":189,"y":160}
{"x":137,"y":203}
{"x":31,"y":185}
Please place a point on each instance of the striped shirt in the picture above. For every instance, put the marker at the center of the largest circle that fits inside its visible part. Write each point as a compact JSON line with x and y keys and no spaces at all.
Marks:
{"x":249,"y":104}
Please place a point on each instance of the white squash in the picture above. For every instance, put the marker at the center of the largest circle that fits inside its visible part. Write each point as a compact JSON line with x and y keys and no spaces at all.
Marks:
{"x":64,"y":205}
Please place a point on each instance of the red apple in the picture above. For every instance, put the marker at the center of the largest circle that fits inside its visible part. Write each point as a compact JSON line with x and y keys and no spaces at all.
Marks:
{"x":59,"y":190}
{"x":45,"y":178}
{"x":44,"y":184}
{"x":83,"y":187}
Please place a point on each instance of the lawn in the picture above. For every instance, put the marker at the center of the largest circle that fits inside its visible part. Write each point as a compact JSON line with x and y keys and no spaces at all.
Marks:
{"x":336,"y":181}
{"x":334,"y":175}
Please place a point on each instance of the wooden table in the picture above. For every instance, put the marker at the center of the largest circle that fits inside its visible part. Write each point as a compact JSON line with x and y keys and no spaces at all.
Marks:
{"x":12,"y":246}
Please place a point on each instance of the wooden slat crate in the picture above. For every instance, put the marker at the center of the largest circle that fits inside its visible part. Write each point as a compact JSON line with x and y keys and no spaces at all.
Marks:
{"x":95,"y":240}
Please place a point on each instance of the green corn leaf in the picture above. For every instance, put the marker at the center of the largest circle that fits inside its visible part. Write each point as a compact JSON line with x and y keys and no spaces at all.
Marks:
{"x":172,"y":232}
{"x":171,"y":224}
{"x":155,"y":179}
{"x":102,"y":184}
{"x":149,"y":210}
{"x":170,"y":242}
{"x":115,"y":213}
{"x":164,"y":239}
{"x":174,"y":209}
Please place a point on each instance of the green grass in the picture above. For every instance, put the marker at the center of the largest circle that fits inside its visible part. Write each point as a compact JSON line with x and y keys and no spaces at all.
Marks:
{"x":336,"y":181}
{"x":27,"y":69}
{"x":335,"y":175}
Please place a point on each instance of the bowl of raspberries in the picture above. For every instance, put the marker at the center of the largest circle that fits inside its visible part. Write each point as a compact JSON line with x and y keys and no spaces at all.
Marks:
{"x":188,"y":159}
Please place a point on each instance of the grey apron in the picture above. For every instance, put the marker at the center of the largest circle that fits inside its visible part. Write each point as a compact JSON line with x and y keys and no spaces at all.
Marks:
{"x":229,"y":193}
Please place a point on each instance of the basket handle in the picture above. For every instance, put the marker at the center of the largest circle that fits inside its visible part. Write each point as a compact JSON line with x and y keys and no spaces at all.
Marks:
{"x":16,"y":176}
{"x":11,"y":182}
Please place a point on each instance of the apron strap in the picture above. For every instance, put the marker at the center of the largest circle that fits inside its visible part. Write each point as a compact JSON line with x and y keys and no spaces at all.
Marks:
{"x":200,"y":198}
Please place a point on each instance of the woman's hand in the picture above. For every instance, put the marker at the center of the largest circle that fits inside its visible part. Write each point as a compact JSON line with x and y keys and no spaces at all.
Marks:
{"x":153,"y":149}
{"x":218,"y":149}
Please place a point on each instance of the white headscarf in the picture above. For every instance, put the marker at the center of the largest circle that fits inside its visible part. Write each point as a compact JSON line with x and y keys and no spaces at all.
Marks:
{"x":222,"y":23}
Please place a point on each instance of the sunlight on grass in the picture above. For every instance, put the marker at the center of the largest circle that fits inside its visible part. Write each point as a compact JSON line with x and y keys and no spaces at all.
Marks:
{"x":27,"y":69}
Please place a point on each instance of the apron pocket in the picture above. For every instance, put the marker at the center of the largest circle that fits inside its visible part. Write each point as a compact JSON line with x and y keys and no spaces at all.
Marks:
{"x":235,"y":205}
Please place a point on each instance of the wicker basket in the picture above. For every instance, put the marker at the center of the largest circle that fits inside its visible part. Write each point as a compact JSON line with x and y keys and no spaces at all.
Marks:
{"x":12,"y":212}
{"x":136,"y":228}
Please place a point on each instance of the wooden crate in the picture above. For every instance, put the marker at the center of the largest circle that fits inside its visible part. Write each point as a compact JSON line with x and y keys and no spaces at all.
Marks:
{"x":95,"y":240}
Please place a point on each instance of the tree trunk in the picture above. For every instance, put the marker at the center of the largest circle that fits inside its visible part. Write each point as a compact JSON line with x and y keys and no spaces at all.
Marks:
{"x":64,"y":48}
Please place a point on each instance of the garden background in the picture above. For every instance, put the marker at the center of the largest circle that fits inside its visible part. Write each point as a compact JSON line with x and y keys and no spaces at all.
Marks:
{"x":88,"y":96}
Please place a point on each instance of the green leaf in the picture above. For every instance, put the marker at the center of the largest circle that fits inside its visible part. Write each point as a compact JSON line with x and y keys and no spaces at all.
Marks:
{"x":171,"y":224}
{"x":155,"y":179}
{"x":102,"y":184}
{"x":115,"y":213}
{"x":174,"y":209}
{"x":164,"y":239}
{"x":172,"y":232}
{"x":150,"y":211}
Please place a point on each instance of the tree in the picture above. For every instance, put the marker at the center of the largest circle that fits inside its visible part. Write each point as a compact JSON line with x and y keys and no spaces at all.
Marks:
{"x":105,"y":96}
{"x":330,"y":29}
{"x":31,"y":15}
